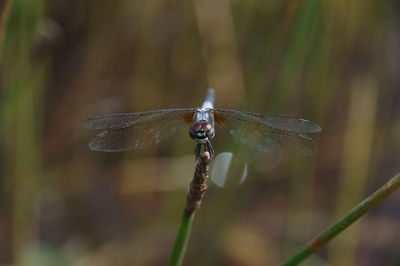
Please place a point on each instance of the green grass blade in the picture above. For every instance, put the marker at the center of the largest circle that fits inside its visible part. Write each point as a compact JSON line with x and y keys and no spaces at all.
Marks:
{"x":357,"y":212}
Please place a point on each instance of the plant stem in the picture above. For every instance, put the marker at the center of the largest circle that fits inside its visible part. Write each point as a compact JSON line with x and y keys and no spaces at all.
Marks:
{"x":362,"y":208}
{"x":193,"y":200}
{"x":181,"y":240}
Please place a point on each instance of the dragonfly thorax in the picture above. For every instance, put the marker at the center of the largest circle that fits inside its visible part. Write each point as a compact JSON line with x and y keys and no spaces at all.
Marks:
{"x":201,"y":131}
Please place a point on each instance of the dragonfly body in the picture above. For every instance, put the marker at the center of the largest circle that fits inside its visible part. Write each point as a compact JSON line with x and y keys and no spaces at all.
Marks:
{"x":266,"y":133}
{"x":202,"y":129}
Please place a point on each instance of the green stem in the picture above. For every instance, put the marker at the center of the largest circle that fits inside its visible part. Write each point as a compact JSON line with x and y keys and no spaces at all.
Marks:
{"x":181,"y":240}
{"x":322,"y":239}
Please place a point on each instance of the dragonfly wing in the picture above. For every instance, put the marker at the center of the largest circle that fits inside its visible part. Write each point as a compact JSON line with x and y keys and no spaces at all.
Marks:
{"x":286,"y":123}
{"x":249,"y":130}
{"x":143,"y":132}
{"x":111,"y":121}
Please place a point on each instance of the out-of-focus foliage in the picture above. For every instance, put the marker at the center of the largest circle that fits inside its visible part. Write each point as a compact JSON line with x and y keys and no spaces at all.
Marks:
{"x":335,"y":62}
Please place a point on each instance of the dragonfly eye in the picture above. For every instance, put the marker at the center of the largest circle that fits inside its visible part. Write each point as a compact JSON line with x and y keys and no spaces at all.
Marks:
{"x":201,"y":130}
{"x":211,"y":133}
{"x":192,"y":134}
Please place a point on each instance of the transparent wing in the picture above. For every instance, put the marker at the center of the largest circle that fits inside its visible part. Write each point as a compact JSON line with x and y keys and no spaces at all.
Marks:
{"x":271,"y":134}
{"x":226,"y":169}
{"x":123,"y":120}
{"x":286,"y":123}
{"x":137,"y":131}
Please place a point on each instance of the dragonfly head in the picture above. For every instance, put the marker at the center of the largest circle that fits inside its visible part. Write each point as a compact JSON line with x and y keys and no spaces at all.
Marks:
{"x":201,"y":131}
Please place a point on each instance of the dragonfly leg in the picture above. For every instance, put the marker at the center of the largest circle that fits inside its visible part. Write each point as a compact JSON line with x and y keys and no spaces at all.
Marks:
{"x":208,"y":147}
{"x":197,"y":150}
{"x":203,"y":147}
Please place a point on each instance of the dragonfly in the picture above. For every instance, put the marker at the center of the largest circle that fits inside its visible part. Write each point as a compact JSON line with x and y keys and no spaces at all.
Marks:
{"x":278,"y":134}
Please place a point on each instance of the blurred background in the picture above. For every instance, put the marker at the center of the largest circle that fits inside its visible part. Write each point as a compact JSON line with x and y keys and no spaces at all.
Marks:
{"x":335,"y":62}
